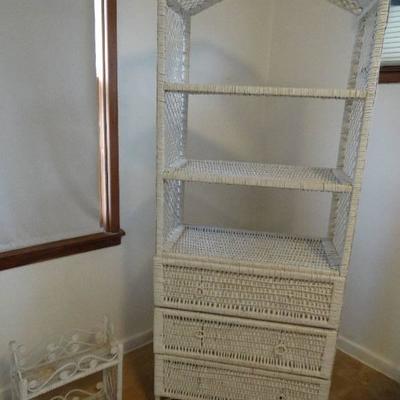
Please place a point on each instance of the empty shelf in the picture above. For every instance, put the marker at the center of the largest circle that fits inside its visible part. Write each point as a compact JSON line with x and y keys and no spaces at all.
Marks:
{"x":255,"y":174}
{"x":267,"y":249}
{"x":264,"y":91}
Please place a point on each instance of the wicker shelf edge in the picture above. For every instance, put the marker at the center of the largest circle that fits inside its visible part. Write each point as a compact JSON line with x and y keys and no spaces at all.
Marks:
{"x":258,"y":174}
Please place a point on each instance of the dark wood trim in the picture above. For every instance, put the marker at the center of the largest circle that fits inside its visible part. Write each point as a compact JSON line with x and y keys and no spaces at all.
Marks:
{"x":390,"y":74}
{"x":106,"y":70}
{"x":108,"y":112}
{"x":61,"y":248}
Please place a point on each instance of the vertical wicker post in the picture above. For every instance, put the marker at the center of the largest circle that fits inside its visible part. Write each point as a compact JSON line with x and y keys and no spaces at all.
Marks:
{"x":243,"y":314}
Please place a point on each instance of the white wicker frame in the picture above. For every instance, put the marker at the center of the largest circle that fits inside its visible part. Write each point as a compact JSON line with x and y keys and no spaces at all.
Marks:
{"x":182,"y":378}
{"x":242,"y":273}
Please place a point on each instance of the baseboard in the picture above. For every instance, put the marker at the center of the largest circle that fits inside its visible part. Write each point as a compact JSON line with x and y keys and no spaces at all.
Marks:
{"x":369,"y":358}
{"x":136,"y":341}
{"x":131,"y":343}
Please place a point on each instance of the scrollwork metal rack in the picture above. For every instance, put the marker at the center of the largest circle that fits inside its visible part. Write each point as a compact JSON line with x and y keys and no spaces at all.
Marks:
{"x":65,"y":360}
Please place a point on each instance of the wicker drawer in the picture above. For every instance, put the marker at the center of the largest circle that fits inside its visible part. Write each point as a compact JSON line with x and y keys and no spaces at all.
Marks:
{"x":180,"y":378}
{"x":257,"y":293}
{"x":286,"y":348}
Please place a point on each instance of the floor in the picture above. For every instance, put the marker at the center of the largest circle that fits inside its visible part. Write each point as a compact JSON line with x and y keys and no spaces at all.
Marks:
{"x":351,"y":379}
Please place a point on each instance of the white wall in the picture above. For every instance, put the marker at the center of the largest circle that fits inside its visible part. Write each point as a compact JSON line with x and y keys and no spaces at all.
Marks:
{"x":77,"y":290}
{"x":371,"y":316}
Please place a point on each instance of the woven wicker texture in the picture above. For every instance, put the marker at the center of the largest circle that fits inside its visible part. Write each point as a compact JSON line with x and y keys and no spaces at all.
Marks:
{"x":238,"y":90}
{"x":353,"y":147}
{"x":173,"y":207}
{"x":257,"y":275}
{"x":285,"y":348}
{"x":256,"y":174}
{"x":248,"y":292}
{"x":190,"y":379}
{"x":176,"y":70}
{"x":191,"y":7}
{"x":280,"y":250}
{"x":350,"y":5}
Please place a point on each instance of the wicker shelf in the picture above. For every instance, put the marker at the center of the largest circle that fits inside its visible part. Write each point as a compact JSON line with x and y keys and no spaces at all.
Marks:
{"x":267,"y":249}
{"x":225,"y":283}
{"x":256,"y":174}
{"x":210,"y":89}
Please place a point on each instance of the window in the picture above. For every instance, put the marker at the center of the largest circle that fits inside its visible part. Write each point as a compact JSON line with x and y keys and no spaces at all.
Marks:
{"x":59,"y":191}
{"x":390,"y":70}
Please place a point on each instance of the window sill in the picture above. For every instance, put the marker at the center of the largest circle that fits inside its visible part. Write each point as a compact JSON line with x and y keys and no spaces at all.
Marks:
{"x":390,"y":74}
{"x":61,"y":248}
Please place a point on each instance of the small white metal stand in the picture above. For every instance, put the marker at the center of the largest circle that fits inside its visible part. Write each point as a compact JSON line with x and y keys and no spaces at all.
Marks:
{"x":65,"y":360}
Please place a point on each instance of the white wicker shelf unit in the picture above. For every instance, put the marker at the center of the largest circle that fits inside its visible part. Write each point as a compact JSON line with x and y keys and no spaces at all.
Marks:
{"x":64,"y":361}
{"x":245,"y":314}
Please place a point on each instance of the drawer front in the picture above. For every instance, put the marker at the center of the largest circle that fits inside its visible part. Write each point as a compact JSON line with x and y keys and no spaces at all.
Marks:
{"x":249,"y":292}
{"x":180,"y":378}
{"x":299,"y":350}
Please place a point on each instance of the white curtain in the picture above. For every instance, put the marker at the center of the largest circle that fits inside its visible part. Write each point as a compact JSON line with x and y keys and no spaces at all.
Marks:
{"x":48,"y":122}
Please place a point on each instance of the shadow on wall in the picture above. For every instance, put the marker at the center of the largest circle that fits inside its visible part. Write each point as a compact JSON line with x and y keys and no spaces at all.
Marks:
{"x":137,"y":118}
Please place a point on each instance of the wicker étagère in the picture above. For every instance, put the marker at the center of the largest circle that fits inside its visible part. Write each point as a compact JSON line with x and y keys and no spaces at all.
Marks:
{"x":246,"y":314}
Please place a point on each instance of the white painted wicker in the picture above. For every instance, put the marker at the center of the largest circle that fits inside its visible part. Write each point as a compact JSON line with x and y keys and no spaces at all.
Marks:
{"x":180,"y":378}
{"x":296,"y":253}
{"x":259,"y":275}
{"x":344,"y":180}
{"x":286,"y":348}
{"x":247,"y":291}
{"x":66,"y":359}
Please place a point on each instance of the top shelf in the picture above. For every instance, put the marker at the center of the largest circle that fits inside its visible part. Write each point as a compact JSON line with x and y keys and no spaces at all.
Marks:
{"x":194,"y":7}
{"x":266,"y":91}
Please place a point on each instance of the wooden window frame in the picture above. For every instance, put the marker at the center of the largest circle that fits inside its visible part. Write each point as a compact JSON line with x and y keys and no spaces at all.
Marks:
{"x":106,"y":70}
{"x":390,"y":74}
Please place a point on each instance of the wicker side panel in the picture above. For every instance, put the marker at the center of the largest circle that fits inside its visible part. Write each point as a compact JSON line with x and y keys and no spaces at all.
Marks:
{"x":173,"y":66}
{"x":180,"y":378}
{"x":286,"y":348}
{"x":243,"y":291}
{"x":356,"y":125}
